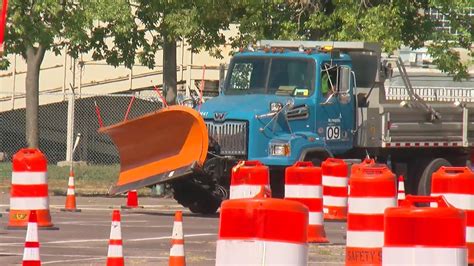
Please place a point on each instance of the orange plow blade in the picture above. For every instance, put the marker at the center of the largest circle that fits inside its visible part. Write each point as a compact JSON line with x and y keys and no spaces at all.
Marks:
{"x":158,"y":147}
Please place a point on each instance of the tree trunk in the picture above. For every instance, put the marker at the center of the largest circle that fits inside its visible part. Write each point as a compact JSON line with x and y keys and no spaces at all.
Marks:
{"x":34,"y":58}
{"x":169,"y":71}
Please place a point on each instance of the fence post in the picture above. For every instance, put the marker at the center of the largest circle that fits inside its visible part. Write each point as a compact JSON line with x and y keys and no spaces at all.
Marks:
{"x":221,"y":77}
{"x":130,"y":78}
{"x":64,"y":74}
{"x":188,"y":82}
{"x":70,"y":127}
{"x":14,"y":82}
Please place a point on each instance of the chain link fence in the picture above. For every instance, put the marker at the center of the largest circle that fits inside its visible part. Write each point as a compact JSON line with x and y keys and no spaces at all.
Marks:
{"x":93,"y":148}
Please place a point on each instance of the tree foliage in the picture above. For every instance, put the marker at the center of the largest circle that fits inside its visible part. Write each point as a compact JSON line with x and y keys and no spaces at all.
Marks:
{"x":35,"y":27}
{"x":392,"y":23}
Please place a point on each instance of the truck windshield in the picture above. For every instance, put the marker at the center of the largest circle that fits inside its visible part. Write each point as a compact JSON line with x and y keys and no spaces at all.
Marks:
{"x":278,"y":76}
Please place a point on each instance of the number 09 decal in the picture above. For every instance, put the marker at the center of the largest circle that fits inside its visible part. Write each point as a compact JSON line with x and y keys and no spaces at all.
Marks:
{"x":333,"y":132}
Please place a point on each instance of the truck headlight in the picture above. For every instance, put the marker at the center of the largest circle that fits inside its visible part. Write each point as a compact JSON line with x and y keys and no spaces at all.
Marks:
{"x":280,"y":149}
{"x":189,"y":103}
{"x":275,"y":106}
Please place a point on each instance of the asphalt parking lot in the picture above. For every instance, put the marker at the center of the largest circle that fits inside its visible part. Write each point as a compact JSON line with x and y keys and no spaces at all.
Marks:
{"x":82,"y":237}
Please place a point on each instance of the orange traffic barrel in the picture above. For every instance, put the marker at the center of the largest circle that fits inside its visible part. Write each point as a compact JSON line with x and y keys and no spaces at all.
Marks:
{"x":372,"y":189}
{"x":249,"y":179}
{"x":303,"y":184}
{"x":335,"y":183}
{"x":424,"y":235}
{"x":29,"y":189}
{"x":366,"y":162}
{"x":252,"y":231}
{"x":456,"y":185}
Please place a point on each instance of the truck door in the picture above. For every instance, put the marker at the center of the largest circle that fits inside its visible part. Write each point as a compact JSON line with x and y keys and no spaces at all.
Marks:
{"x":335,"y":111}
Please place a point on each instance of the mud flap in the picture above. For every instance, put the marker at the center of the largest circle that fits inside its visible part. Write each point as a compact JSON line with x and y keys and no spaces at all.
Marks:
{"x":159,"y":147}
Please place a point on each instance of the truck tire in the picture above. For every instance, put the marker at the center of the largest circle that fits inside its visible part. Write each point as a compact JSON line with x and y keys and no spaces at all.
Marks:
{"x":197,"y":199}
{"x":204,"y":206}
{"x":424,"y":185}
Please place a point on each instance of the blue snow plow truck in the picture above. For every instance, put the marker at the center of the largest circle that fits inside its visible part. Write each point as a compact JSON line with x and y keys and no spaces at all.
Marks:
{"x":286,"y":101}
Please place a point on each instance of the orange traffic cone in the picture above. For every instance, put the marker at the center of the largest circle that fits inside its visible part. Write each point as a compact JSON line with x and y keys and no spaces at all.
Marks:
{"x":401,"y":190}
{"x":31,"y":255}
{"x":70,"y":205}
{"x":115,"y":253}
{"x":132,"y":200}
{"x":177,"y":242}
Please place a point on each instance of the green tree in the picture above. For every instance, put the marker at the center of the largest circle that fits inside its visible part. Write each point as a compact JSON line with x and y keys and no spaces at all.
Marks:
{"x":159,"y":25}
{"x":35,"y":27}
{"x":392,"y":23}
{"x":117,"y":31}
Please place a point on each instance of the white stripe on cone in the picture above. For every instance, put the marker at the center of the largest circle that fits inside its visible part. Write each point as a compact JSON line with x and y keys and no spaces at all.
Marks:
{"x":32,"y":232}
{"x":251,"y":252}
{"x":335,"y":201}
{"x":177,"y":250}
{"x":335,"y":181}
{"x":460,"y":201}
{"x":29,"y":203}
{"x":364,"y":239}
{"x":315,"y":218}
{"x":31,"y":254}
{"x":401,"y":196}
{"x":70,"y":192}
{"x":70,"y":181}
{"x":115,"y":231}
{"x":29,"y":178}
{"x":245,"y":191}
{"x":177,"y":230}
{"x":303,"y":191}
{"x":115,"y":251}
{"x":469,"y":234}
{"x":370,"y":205}
{"x":424,"y":256}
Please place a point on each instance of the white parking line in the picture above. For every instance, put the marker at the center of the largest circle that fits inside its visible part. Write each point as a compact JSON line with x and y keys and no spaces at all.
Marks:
{"x":75,"y":260}
{"x":104,"y":240}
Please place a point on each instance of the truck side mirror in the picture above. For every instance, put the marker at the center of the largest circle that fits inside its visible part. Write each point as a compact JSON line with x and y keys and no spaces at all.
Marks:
{"x":344,"y":79}
{"x":343,"y":93}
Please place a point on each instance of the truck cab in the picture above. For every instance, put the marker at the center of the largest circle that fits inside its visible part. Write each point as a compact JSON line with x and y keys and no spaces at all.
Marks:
{"x":279,"y":106}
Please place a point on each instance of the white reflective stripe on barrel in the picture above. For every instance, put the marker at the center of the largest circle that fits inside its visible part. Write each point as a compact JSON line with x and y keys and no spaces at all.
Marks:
{"x":335,"y":181}
{"x":370,"y":205}
{"x":245,"y":191}
{"x":303,"y":191}
{"x":249,"y":252}
{"x":460,"y":201}
{"x":423,"y":256}
{"x":177,"y":250}
{"x":364,"y":239}
{"x":29,"y":203}
{"x":334,"y":201}
{"x":115,"y":251}
{"x":31,"y":254}
{"x":29,"y":178}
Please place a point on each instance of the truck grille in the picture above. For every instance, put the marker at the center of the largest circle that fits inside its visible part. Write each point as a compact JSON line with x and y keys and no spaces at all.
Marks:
{"x":231,"y":136}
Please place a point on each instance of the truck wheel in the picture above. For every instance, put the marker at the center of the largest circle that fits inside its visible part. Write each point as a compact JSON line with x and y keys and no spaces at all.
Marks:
{"x":424,"y":185}
{"x":197,"y":199}
{"x":205,"y":206}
